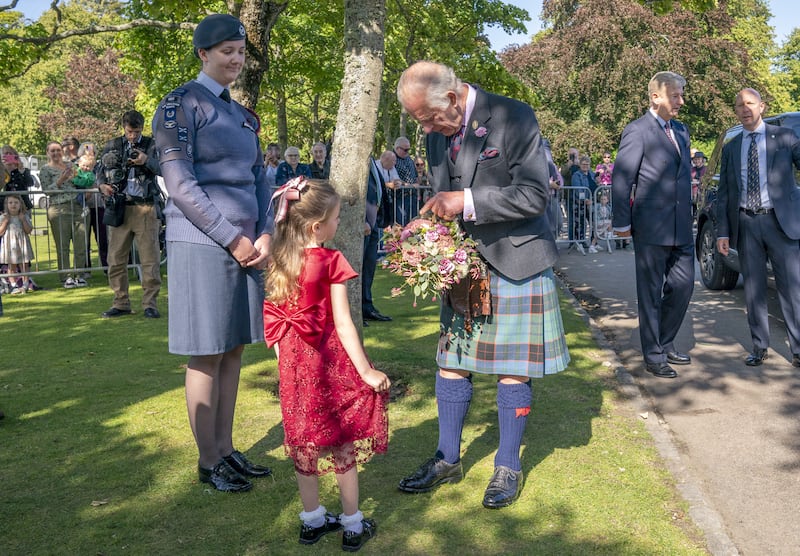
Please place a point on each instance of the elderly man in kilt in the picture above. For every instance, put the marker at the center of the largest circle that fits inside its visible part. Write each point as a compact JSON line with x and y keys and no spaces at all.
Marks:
{"x":488,"y":168}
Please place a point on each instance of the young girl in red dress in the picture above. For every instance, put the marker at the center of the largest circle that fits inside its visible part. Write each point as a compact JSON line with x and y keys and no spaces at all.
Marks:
{"x":332,"y":399}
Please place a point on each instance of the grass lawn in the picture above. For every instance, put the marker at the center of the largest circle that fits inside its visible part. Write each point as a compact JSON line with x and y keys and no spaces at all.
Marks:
{"x":96,"y":454}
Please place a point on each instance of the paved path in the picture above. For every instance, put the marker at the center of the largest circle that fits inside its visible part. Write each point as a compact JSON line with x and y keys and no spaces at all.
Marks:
{"x":736,"y":428}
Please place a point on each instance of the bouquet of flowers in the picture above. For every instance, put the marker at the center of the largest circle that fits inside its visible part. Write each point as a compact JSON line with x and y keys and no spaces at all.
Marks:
{"x":431,"y":255}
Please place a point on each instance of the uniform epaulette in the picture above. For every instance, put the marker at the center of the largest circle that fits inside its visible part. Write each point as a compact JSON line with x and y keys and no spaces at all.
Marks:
{"x":174,"y":98}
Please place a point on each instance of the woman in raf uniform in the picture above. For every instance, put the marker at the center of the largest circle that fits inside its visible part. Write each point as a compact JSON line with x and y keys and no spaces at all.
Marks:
{"x":218,"y":233}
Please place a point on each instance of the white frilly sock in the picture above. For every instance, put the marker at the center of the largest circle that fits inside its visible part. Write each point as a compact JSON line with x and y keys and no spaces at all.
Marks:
{"x":315,"y":518}
{"x":352,"y":523}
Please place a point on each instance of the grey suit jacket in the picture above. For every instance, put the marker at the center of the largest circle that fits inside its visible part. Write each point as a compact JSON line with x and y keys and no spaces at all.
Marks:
{"x":662,"y":208}
{"x":783,"y":155}
{"x":502,"y":161}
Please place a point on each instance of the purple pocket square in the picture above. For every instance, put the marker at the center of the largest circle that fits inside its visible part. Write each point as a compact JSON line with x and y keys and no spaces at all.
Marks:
{"x":488,"y":154}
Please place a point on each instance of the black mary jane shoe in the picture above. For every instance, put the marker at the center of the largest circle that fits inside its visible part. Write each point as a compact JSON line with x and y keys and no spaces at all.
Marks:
{"x":352,"y":542}
{"x":310,"y":535}
{"x":224,"y":478}
{"x":431,"y":474}
{"x":244,"y":467}
{"x":503,"y":489}
{"x":678,"y":358}
{"x":756,"y":358}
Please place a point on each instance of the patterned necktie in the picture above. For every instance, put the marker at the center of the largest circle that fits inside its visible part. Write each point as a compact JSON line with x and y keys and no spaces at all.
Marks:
{"x":455,"y":143}
{"x":667,"y":128}
{"x":225,"y":95}
{"x":753,"y":181}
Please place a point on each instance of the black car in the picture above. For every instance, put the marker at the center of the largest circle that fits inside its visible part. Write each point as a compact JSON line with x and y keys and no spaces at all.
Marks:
{"x":718,"y":272}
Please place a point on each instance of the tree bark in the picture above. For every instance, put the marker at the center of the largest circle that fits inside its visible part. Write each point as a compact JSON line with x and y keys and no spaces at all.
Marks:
{"x":355,"y":129}
{"x":258,"y":18}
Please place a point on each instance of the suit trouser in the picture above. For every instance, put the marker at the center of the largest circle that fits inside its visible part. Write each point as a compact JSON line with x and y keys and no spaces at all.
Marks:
{"x":368,"y":266}
{"x":761,"y":237}
{"x":664,"y":285}
{"x":142,"y":224}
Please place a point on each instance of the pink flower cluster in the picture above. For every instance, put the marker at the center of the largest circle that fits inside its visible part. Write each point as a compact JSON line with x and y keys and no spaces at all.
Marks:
{"x":430,"y":255}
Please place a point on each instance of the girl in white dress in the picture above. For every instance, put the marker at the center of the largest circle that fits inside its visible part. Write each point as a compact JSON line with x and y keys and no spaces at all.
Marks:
{"x":16,"y":250}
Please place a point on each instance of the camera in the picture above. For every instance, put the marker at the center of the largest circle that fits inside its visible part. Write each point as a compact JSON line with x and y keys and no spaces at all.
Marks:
{"x":116,"y":170}
{"x":134,"y":154}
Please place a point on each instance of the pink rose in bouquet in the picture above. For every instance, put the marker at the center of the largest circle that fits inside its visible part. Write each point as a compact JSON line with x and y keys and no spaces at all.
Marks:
{"x":431,"y":255}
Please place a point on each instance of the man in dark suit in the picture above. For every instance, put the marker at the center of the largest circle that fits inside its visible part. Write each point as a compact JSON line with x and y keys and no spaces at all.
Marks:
{"x":758,"y":211}
{"x":488,"y":169}
{"x":372,"y":227}
{"x":654,"y":158}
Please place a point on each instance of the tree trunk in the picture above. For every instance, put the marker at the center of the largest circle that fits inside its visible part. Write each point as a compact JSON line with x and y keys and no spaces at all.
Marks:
{"x":280,"y":118}
{"x":258,"y":18}
{"x":355,"y":129}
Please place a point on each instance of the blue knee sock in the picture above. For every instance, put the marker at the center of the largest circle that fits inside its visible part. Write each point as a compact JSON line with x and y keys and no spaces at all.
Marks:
{"x":513,"y":406}
{"x":453,"y":397}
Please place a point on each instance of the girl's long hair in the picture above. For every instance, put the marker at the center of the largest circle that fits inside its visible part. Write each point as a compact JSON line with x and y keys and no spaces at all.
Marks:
{"x":291,"y":236}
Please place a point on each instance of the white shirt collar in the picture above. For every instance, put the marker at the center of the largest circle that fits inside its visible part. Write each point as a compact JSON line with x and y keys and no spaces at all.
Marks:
{"x":208,"y":82}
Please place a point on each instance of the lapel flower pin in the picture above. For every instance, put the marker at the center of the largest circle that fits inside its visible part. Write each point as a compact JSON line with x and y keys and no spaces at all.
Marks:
{"x":481,"y":131}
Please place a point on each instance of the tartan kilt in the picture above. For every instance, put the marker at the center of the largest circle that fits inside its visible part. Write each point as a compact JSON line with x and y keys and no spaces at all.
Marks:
{"x":524,"y":336}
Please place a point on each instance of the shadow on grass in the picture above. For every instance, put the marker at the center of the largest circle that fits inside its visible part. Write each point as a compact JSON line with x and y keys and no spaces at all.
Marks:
{"x":97,"y":457}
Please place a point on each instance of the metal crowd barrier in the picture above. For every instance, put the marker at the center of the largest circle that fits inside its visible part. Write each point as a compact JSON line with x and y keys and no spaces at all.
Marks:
{"x":85,"y":228}
{"x":581,"y":218}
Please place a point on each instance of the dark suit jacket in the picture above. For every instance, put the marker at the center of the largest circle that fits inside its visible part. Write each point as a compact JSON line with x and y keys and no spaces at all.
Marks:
{"x":783,"y":155}
{"x":662,"y":208}
{"x":506,"y":169}
{"x":374,"y":184}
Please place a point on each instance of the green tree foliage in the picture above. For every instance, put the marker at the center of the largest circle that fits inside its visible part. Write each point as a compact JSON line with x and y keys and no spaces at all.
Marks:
{"x":22,"y":94}
{"x":788,"y":61}
{"x":451,"y":32}
{"x":592,"y":67}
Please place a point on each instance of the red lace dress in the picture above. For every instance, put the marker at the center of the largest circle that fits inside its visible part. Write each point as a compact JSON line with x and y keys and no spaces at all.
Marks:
{"x":332,"y":420}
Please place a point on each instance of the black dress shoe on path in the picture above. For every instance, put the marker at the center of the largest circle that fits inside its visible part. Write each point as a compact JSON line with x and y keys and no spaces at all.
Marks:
{"x":352,"y":542}
{"x":223,"y":477}
{"x":152,"y":313}
{"x":243,"y":466}
{"x":503,"y":489}
{"x":796,"y":360}
{"x":310,"y":535}
{"x":114,"y":312}
{"x":678,"y":358}
{"x":661,"y":370}
{"x":375,"y":315}
{"x":431,"y":474}
{"x":757,"y":357}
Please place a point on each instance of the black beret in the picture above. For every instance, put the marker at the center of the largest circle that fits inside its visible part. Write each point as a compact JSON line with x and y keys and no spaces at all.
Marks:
{"x":215,"y":29}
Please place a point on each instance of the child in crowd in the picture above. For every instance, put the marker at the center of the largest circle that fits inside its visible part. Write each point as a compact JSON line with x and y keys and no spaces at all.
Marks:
{"x":84,"y":179}
{"x":602,"y":219}
{"x":332,"y":399}
{"x":16,"y":250}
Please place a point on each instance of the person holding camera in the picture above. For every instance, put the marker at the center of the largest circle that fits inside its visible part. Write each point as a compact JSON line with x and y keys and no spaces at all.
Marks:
{"x":126,"y":177}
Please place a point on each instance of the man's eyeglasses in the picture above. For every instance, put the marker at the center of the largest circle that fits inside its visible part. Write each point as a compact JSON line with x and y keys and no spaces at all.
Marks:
{"x":404,"y":149}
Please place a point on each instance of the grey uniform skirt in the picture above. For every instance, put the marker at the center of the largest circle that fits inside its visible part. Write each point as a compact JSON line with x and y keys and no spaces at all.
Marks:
{"x":214,"y":304}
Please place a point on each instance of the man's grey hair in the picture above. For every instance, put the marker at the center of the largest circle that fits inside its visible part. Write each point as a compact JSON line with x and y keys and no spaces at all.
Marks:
{"x":663,"y":79}
{"x":431,"y":79}
{"x":401,"y":141}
